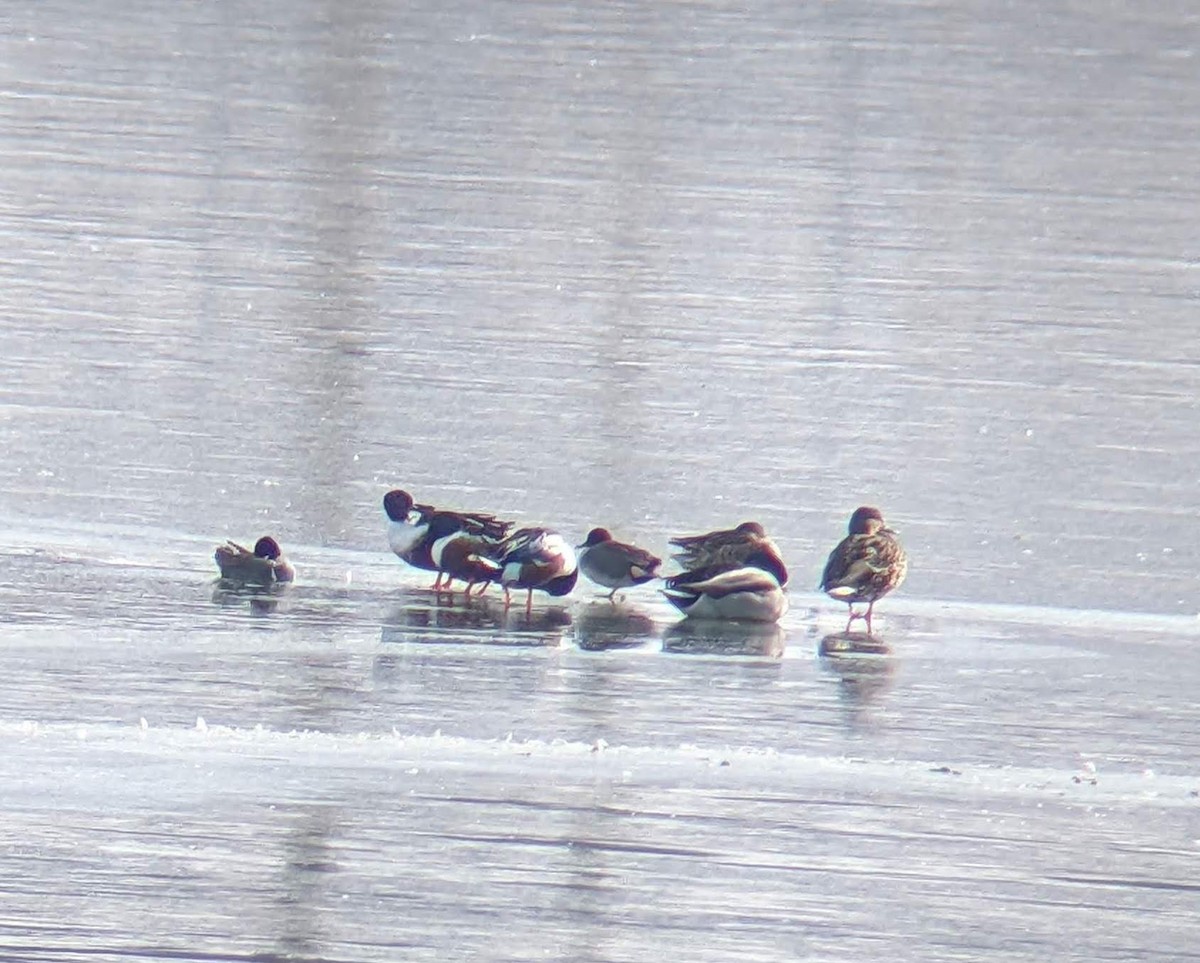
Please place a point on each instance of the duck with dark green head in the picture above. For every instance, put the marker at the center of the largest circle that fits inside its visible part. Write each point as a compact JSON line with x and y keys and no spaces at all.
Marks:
{"x":409,"y":530}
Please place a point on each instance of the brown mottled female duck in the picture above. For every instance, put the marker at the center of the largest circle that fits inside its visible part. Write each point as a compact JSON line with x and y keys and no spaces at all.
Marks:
{"x":866,"y":564}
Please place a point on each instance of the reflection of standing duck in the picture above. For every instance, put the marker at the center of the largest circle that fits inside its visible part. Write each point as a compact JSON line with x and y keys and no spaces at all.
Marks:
{"x":751,"y":592}
{"x":851,"y":644}
{"x":537,"y":558}
{"x":866,"y":565}
{"x":689,"y":637}
{"x":599,"y":626}
{"x":614,"y":564}
{"x":263,"y":566}
{"x":863,"y":667}
{"x":726,"y":548}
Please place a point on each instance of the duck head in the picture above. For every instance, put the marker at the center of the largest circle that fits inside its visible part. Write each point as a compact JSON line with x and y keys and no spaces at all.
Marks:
{"x":397,"y":504}
{"x":866,"y":521}
{"x":267,"y":547}
{"x":597,"y":536}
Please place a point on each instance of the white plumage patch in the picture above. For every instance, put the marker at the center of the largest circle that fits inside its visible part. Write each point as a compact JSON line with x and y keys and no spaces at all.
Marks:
{"x":439,"y":547}
{"x":403,"y":537}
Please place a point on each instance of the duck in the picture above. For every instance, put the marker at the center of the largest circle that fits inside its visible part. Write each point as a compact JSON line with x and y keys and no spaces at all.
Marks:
{"x":615,"y":565}
{"x":749,"y":592}
{"x":459,"y":554}
{"x":726,"y":548}
{"x":866,"y":565}
{"x":537,"y":558}
{"x":409,"y":526}
{"x":265,"y":565}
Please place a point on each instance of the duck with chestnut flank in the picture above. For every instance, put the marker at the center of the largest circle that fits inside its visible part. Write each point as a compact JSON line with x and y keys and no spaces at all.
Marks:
{"x":751,"y":591}
{"x":613,"y":564}
{"x":537,"y":558}
{"x":265,"y":565}
{"x":867,"y":564}
{"x":409,"y":530}
{"x":458,"y":554}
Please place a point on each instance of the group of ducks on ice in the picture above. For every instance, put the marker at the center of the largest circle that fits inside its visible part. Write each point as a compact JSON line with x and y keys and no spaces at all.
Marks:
{"x":729,"y":574}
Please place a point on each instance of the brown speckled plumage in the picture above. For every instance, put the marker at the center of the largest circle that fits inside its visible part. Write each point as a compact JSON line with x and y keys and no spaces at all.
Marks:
{"x":726,"y":549}
{"x":866,"y":565}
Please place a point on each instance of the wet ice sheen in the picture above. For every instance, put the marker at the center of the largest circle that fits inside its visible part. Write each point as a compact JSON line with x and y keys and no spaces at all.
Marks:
{"x":367,"y":760}
{"x":657,"y":267}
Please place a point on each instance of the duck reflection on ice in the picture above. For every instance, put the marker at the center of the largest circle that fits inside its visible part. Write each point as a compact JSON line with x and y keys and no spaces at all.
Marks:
{"x":262,"y":599}
{"x":601,"y":626}
{"x":426,"y":617}
{"x":863,"y":664}
{"x":765,"y":640}
{"x":853,"y":643}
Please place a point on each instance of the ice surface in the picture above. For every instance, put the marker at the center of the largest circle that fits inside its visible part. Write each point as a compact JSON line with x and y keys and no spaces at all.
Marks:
{"x":356,"y":773}
{"x":661,"y":268}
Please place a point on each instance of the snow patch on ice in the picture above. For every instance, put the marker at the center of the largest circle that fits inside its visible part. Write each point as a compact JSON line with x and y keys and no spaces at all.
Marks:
{"x":513,"y":759}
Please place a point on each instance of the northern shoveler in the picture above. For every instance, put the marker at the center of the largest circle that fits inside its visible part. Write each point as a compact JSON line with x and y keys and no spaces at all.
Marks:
{"x":726,"y":548}
{"x":749,"y":592}
{"x":537,"y":558}
{"x":866,"y":564}
{"x":460,"y":555}
{"x":265,"y":565}
{"x":409,"y":529}
{"x":614,"y":564}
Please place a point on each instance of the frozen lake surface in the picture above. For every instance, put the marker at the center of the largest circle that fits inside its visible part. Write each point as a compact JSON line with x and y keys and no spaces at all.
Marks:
{"x":361,"y":772}
{"x":655,"y":267}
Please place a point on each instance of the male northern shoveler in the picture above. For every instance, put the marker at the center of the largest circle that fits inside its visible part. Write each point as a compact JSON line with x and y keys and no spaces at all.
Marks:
{"x":458,"y":554}
{"x":726,"y":548}
{"x":749,"y":592}
{"x":263,"y":566}
{"x":614,"y":564}
{"x":537,"y":558}
{"x":409,"y":529}
{"x":866,"y":564}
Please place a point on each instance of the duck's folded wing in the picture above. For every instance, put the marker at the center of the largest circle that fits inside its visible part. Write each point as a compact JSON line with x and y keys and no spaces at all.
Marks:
{"x":642,"y":559}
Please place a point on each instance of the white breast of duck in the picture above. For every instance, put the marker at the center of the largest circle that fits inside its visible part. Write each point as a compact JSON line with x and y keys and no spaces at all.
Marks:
{"x":404,"y":536}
